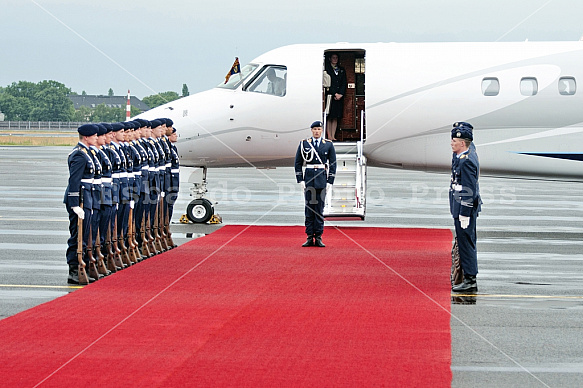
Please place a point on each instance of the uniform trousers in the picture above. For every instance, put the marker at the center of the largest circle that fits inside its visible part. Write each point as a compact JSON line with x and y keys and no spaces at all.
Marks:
{"x":466,"y":239}
{"x":73,"y":230}
{"x":104,"y":223}
{"x":314,"y":210}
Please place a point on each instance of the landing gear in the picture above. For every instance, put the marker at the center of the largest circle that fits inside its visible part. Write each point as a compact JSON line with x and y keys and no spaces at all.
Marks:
{"x":199,"y":210}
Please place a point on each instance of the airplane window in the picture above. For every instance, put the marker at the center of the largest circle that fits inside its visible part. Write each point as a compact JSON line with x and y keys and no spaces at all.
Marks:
{"x":567,"y":86}
{"x":272,"y":81}
{"x":236,"y":79}
{"x":490,"y":86}
{"x":528,"y":86}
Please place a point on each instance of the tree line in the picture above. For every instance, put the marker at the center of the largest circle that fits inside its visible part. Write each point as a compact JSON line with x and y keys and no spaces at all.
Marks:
{"x":48,"y":101}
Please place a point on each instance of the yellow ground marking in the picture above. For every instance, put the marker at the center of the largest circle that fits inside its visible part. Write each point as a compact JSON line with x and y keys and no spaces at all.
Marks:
{"x":521,"y":296}
{"x":37,"y":286}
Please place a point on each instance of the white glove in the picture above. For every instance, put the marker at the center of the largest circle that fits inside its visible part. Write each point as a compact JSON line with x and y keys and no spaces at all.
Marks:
{"x":328,"y":187}
{"x":132,"y":203}
{"x":163,"y":194}
{"x":303,"y":185}
{"x":464,"y":221}
{"x":80,"y":213}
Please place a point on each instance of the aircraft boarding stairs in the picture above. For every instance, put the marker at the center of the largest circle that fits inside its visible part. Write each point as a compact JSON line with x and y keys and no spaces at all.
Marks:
{"x":348,"y":195}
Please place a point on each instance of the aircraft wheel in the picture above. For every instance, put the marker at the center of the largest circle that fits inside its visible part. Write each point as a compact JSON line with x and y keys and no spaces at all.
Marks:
{"x":200,"y":211}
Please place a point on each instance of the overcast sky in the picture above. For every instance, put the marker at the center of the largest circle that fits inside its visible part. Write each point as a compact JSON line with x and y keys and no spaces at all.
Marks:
{"x":151,"y":46}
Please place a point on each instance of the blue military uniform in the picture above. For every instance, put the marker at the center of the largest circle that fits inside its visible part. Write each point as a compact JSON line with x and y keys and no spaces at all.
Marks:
{"x":464,"y":200}
{"x":172,"y":195}
{"x":107,"y":193}
{"x":319,"y":158}
{"x":143,"y":205}
{"x":79,"y":193}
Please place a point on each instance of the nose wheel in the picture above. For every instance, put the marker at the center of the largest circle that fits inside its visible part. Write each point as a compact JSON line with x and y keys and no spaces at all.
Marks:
{"x":200,"y":210}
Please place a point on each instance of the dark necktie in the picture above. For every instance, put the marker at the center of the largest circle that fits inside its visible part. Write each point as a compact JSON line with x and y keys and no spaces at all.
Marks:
{"x":316,"y":144}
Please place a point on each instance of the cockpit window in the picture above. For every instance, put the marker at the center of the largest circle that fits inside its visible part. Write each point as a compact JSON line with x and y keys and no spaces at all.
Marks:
{"x":236,"y":79}
{"x":272,"y":80}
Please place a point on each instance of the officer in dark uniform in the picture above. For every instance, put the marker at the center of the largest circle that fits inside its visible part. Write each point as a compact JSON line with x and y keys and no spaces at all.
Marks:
{"x":81,"y":174}
{"x":465,"y":202}
{"x":319,"y":158}
{"x":107,"y":181}
{"x":118,"y":166}
{"x":143,"y":205}
{"x":172,"y":195}
{"x":157,"y":161}
{"x":97,"y":186}
{"x":123,"y":206}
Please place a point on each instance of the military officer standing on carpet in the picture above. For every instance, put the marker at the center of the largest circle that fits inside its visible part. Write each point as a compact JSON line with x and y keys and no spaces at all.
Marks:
{"x":81,"y":174}
{"x":465,"y":202}
{"x":318,"y":156}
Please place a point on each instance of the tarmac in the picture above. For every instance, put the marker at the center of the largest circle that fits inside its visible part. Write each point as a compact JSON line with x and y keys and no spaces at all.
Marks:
{"x":524,"y":328}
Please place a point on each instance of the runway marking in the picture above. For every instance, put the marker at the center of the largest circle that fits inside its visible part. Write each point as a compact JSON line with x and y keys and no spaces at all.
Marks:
{"x":35,"y":219}
{"x":521,"y":296}
{"x":36,"y":286}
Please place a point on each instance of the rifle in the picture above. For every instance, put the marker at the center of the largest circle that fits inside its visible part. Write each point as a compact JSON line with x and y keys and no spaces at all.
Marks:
{"x":137,"y":253}
{"x":123,"y":249}
{"x":108,"y":245}
{"x":131,"y":249}
{"x":100,"y":263}
{"x":150,"y":235}
{"x":116,"y":251}
{"x":83,"y":279}
{"x":145,"y":248}
{"x":155,"y":235}
{"x":162,"y":227}
{"x":169,"y":240}
{"x":92,"y":268}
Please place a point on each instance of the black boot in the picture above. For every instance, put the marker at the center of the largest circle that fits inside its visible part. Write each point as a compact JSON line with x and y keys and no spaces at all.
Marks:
{"x":73,"y":274}
{"x":319,"y":242}
{"x":468,"y":285}
{"x":309,"y":242}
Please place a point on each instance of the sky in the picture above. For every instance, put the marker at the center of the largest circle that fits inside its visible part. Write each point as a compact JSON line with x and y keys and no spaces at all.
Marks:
{"x":152,"y":46}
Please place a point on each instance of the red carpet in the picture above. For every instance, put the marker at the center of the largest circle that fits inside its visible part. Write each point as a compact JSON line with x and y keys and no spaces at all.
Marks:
{"x":247,"y":306}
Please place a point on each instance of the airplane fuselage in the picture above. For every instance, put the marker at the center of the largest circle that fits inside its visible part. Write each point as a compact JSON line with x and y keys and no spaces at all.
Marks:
{"x":521,"y":98}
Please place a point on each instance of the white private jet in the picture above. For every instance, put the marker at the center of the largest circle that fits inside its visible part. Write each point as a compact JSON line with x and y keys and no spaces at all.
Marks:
{"x":521,"y":98}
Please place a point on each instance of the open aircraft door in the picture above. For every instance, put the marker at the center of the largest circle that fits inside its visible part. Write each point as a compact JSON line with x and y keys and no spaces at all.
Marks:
{"x":347,"y":198}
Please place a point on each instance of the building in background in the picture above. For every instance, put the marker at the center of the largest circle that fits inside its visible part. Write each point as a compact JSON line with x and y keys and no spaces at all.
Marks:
{"x":92,"y":101}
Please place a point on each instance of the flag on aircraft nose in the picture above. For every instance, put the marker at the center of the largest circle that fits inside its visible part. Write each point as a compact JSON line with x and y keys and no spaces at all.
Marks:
{"x":236,"y":68}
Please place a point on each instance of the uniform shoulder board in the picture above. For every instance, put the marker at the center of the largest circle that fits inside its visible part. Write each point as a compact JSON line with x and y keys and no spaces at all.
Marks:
{"x":152,"y":142}
{"x":323,"y":141}
{"x":309,"y":139}
{"x":464,"y":156}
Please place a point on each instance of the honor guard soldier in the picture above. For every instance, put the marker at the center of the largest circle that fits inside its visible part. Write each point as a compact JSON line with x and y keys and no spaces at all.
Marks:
{"x":154,"y":173}
{"x":97,"y":189}
{"x":124,"y":189}
{"x":465,"y":202}
{"x":141,"y":172}
{"x":107,"y":181}
{"x":318,"y":156}
{"x":78,"y":197}
{"x":174,"y":173}
{"x":143,"y":208}
{"x":165,"y":143}
{"x":117,"y":167}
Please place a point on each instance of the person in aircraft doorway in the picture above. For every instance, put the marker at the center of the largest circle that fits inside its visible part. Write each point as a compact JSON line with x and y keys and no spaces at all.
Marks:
{"x":334,"y":95}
